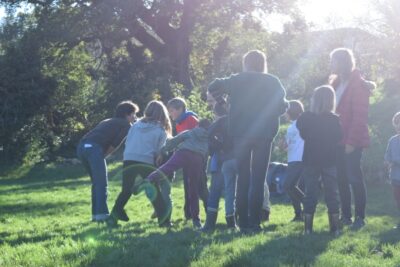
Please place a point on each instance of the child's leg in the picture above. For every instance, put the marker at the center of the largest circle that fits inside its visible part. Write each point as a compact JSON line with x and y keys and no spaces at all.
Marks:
{"x":330,"y":184}
{"x":296,"y":195}
{"x":230,"y":175}
{"x":98,"y":169}
{"x":216,"y":188}
{"x":82,"y":156}
{"x":193,"y":170}
{"x":175,"y":163}
{"x":311,"y":178}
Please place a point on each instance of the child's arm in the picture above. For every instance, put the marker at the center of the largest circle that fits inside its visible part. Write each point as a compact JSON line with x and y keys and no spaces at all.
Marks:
{"x":218,"y":88}
{"x":172,"y":143}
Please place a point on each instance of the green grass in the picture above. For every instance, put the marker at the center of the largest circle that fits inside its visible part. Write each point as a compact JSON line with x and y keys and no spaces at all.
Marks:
{"x":45,"y":214}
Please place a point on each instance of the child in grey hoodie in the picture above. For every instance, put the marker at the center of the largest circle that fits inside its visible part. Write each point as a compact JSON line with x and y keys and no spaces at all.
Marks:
{"x":392,"y":159}
{"x":145,"y":139}
{"x":191,"y":149}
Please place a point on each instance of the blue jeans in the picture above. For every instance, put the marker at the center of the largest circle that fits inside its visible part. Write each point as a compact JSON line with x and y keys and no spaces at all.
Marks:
{"x":330,"y":186}
{"x":292,"y":187}
{"x":92,"y":158}
{"x":229,"y":172}
{"x":216,"y":190}
{"x":351,"y":176}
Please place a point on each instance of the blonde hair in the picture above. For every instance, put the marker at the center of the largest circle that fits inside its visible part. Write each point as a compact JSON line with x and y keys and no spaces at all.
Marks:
{"x":396,"y":119}
{"x":323,"y":100}
{"x":345,"y":60}
{"x":255,"y":60}
{"x":156,"y":112}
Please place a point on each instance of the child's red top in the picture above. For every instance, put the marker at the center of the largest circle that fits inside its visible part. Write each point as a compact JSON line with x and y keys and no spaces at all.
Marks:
{"x":187,"y":121}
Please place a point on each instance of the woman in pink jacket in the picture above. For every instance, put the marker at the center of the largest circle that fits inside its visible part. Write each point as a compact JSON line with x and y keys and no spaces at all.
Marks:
{"x":352,"y":99}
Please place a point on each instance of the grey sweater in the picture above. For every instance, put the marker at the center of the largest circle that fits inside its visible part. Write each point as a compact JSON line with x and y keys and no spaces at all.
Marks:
{"x":392,"y":156}
{"x":144,"y":142}
{"x":195,"y":140}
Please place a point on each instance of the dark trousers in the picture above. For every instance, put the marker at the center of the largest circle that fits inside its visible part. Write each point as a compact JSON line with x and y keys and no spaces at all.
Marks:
{"x":312,"y":176}
{"x":192,"y":164}
{"x":252,"y":159}
{"x":131,"y":170}
{"x":396,"y":194}
{"x":92,"y":158}
{"x":351,"y":176}
{"x":203,"y":194}
{"x":292,"y":185}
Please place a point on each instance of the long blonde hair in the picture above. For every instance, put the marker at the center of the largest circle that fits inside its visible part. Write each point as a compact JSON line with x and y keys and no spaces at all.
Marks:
{"x":157,"y":112}
{"x":323,"y":100}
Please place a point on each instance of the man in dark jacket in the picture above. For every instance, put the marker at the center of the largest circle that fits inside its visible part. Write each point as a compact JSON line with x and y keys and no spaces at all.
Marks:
{"x":257,"y":100}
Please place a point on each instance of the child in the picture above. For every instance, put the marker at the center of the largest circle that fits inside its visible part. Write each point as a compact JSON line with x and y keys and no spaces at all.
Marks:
{"x":220,"y":148}
{"x":321,"y":131}
{"x":392,"y":158}
{"x":96,"y":145}
{"x":142,"y":146}
{"x":295,"y":147}
{"x":186,"y":120}
{"x":257,"y":100}
{"x":191,"y":150}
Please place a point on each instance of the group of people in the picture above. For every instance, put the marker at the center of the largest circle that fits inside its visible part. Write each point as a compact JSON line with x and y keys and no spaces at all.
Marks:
{"x":324,"y":146}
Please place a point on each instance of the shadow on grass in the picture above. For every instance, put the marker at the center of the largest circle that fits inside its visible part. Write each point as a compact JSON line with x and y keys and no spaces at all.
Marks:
{"x":292,"y":250}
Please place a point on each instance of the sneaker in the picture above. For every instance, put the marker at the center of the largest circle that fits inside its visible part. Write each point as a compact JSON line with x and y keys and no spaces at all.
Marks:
{"x":100,"y":218}
{"x":358,"y":224}
{"x":197,"y":224}
{"x":346,"y":221}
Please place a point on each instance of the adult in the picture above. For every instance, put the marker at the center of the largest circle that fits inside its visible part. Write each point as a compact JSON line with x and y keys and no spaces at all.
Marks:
{"x":352,"y":96}
{"x":257,"y":100}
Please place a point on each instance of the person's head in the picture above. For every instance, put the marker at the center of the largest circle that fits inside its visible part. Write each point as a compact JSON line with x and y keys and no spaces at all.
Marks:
{"x":220,"y":110}
{"x":204,"y":123}
{"x":157,"y":112}
{"x":176,"y":106}
{"x":255,"y":61}
{"x":323,"y":100}
{"x":126,"y":110}
{"x":342,"y":62}
{"x":295,"y":109}
{"x":396,"y":122}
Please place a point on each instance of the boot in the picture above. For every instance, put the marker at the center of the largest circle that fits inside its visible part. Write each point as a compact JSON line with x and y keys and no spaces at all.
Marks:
{"x":334,"y":223}
{"x":308,"y":223}
{"x":230,"y":221}
{"x":211,"y":219}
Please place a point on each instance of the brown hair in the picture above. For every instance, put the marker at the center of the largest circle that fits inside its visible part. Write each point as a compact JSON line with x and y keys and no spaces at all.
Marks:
{"x":255,"y":60}
{"x":204,"y":123}
{"x":156,"y":112}
{"x":177,"y":103}
{"x":125,"y":108}
{"x":295,"y":109}
{"x":345,"y":60}
{"x":323,"y":100}
{"x":396,"y":119}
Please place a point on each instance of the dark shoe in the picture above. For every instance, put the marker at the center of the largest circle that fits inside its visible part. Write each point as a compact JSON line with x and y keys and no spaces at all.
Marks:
{"x":120,"y":215}
{"x":196,"y":224}
{"x":211,"y":219}
{"x":298,"y":218}
{"x":308,"y":223}
{"x":346,"y":221}
{"x":265,"y":215}
{"x":358,"y":224}
{"x":153,"y":216}
{"x":112,"y":221}
{"x":230,"y":221}
{"x":166,"y":224}
{"x":334,"y":224}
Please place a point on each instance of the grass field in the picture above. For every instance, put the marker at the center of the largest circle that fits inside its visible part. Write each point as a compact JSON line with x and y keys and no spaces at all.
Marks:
{"x":45,"y":221}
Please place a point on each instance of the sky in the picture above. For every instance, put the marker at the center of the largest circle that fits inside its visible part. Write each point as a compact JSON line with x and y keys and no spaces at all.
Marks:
{"x":323,"y":14}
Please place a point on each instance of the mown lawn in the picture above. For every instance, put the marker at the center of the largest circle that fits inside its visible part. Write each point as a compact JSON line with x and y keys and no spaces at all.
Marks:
{"x":45,"y":221}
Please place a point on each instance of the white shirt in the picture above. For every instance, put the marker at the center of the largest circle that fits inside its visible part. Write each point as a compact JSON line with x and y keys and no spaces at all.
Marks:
{"x":295,"y":143}
{"x":340,"y":91}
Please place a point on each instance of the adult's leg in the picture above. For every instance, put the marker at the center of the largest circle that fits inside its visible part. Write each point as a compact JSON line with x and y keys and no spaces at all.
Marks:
{"x":98,"y":169}
{"x":344,"y":185}
{"x":356,"y":178}
{"x":243,"y":157}
{"x":216,"y":188}
{"x":259,"y":166}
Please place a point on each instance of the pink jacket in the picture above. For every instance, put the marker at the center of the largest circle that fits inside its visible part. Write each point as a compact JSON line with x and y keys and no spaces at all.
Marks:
{"x":353,"y":110}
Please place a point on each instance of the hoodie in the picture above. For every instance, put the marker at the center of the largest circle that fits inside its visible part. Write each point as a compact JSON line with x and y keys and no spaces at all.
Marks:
{"x":195,"y":140}
{"x":144,"y":141}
